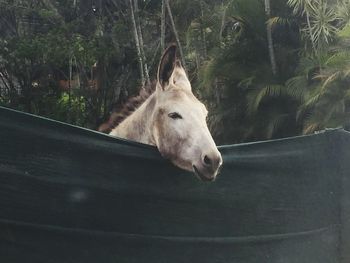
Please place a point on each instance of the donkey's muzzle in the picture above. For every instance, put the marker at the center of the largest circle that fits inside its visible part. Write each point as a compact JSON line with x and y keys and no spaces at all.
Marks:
{"x":212,"y":161}
{"x":203,"y":177}
{"x":209,"y":167}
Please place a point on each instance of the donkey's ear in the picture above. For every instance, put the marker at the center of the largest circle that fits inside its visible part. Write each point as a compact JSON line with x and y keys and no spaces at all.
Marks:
{"x":167,"y":65}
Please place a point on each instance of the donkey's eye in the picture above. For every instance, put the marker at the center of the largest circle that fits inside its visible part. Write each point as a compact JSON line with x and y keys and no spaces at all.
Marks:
{"x":174,"y":115}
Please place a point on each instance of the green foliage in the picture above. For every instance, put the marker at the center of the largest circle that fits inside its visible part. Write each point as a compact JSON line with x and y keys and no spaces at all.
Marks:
{"x":72,"y":108}
{"x":54,"y":44}
{"x":75,"y":64}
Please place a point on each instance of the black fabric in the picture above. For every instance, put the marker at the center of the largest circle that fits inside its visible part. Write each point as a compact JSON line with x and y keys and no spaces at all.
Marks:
{"x":69,"y":194}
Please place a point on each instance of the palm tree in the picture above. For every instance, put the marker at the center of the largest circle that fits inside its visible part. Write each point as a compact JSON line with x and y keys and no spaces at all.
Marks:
{"x":327,"y":102}
{"x":240,"y":70}
{"x":320,"y":19}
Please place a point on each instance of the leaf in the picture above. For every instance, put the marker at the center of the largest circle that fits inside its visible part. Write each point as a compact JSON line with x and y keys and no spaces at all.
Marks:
{"x":311,"y":127}
{"x":297,"y":87}
{"x":278,"y":21}
{"x":275,"y":122}
{"x":269,"y":91}
{"x":247,"y":82}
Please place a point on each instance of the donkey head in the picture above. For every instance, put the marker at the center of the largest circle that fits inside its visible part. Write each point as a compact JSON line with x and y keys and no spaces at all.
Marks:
{"x":179,"y":127}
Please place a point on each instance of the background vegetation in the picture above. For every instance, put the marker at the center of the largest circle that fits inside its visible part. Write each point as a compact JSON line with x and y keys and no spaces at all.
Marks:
{"x":265,"y":68}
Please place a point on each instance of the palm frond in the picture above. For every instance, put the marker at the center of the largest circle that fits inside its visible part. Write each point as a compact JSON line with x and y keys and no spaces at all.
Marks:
{"x":346,"y":73}
{"x":325,"y":115}
{"x":339,"y":59}
{"x":343,"y":11}
{"x":247,"y":82}
{"x":269,"y":91}
{"x":330,"y":79}
{"x":311,"y":101}
{"x":275,"y":122}
{"x":278,"y":21}
{"x":344,"y":32}
{"x":306,"y":65}
{"x":312,"y":122}
{"x":297,"y":87}
{"x":299,"y":6}
{"x":322,"y":20}
{"x":311,"y":127}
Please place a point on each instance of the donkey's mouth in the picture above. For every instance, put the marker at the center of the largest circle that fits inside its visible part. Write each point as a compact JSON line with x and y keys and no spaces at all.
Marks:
{"x":201,"y":176}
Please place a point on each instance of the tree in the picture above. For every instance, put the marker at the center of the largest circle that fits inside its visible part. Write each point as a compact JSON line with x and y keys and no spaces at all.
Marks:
{"x":75,"y":62}
{"x":175,"y":33}
{"x":137,"y":38}
{"x":270,"y":39}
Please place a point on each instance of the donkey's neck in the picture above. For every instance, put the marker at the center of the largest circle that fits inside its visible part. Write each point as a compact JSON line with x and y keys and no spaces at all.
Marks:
{"x":137,"y":127}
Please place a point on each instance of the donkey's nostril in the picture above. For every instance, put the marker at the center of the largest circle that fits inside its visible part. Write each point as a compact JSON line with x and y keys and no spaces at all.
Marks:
{"x":207,"y":160}
{"x":212,"y":160}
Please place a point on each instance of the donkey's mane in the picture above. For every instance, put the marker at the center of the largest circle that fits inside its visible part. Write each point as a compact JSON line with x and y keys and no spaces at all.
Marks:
{"x":128,"y":108}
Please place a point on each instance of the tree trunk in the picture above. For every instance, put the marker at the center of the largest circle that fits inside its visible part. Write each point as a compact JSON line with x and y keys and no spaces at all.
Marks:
{"x":162,"y":27}
{"x":175,"y":33}
{"x":270,"y":39}
{"x":204,"y":38}
{"x":27,"y":87}
{"x":70,"y":69}
{"x":223,"y":20}
{"x":137,"y":43}
{"x":139,"y":33}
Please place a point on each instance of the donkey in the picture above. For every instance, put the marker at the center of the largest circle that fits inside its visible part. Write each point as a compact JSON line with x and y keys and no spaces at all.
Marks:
{"x":174,"y":120}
